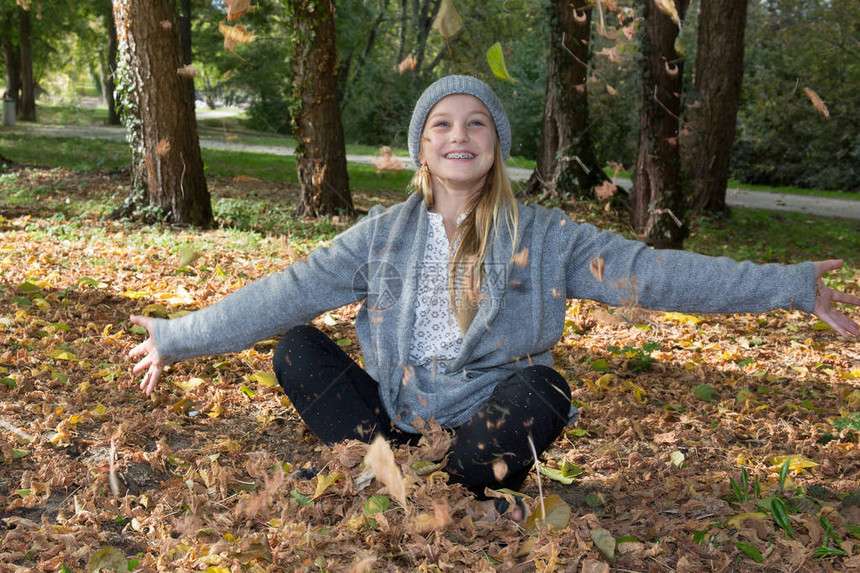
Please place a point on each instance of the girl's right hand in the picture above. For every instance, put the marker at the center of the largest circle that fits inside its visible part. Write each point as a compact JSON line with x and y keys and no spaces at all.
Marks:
{"x":150,"y":362}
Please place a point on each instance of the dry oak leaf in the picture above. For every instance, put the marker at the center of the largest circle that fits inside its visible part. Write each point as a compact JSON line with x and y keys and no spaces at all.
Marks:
{"x":235,"y":8}
{"x":234,"y":35}
{"x":817,"y":102}
{"x":380,"y":459}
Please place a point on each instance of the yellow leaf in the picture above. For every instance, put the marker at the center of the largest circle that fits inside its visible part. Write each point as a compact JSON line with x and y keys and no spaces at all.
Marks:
{"x":496,"y":59}
{"x":681,"y":317}
{"x":234,"y":35}
{"x":736,"y":521}
{"x":76,"y":419}
{"x":156,"y":310}
{"x":62,"y":355}
{"x":796,"y":463}
{"x":132,"y":294}
{"x":189,"y":384}
{"x":264,"y":379}
{"x":235,"y":8}
{"x":853,"y":399}
{"x":216,"y":411}
{"x":99,"y":410}
{"x":668,"y":8}
{"x":324,"y":481}
{"x":183,"y":406}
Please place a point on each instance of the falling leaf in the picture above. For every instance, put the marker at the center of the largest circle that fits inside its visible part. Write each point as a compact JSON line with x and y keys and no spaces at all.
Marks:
{"x":235,"y":8}
{"x":557,"y":514}
{"x":187,"y":255}
{"x":604,"y":542}
{"x":234,"y":35}
{"x":597,"y":265}
{"x":496,"y":59}
{"x":187,"y":71}
{"x":408,"y":64}
{"x":521,"y":259}
{"x":448,"y":21}
{"x":668,"y":8}
{"x":605,"y":190}
{"x":380,"y":459}
{"x":817,"y":102}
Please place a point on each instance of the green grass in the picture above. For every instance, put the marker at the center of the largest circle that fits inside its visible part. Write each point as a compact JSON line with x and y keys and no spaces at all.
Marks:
{"x":765,"y":236}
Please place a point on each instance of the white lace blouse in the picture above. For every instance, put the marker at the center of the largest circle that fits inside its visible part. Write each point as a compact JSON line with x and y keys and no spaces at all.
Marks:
{"x":437,"y":339}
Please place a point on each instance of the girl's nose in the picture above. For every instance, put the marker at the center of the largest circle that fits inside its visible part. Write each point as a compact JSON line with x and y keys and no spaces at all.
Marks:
{"x":459,"y":133}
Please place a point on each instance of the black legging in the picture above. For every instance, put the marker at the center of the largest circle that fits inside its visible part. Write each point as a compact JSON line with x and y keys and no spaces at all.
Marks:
{"x":338,"y":400}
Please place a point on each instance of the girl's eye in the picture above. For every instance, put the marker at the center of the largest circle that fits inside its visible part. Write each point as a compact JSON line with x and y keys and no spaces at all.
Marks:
{"x":478,"y":122}
{"x":440,"y":124}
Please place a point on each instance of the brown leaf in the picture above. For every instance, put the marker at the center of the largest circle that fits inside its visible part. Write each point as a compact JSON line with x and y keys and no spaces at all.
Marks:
{"x":521,"y":259}
{"x":235,"y":8}
{"x":597,"y":265}
{"x":380,"y":459}
{"x":448,"y":21}
{"x":408,"y":64}
{"x":187,"y":71}
{"x":234,"y":35}
{"x":162,"y":148}
{"x":605,"y":190}
{"x":817,"y":102}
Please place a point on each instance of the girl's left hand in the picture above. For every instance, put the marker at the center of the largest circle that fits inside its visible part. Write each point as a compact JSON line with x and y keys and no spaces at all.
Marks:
{"x":825,"y":296}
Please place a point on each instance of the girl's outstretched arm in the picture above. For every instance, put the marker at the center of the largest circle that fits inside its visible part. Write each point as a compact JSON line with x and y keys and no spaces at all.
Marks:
{"x":151,"y":362}
{"x":825,"y":295}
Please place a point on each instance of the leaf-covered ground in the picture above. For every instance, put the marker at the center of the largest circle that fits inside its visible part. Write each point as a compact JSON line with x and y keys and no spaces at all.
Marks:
{"x":674,"y":465}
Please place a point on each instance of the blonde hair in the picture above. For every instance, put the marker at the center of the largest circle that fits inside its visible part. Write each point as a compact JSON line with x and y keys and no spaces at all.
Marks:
{"x":472,"y":240}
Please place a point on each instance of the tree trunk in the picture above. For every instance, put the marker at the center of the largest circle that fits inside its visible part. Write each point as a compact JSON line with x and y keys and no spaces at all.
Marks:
{"x":185,"y":30}
{"x":109,"y":79}
{"x":566,"y":162}
{"x":717,"y":80}
{"x":12,"y":61}
{"x":320,"y":148}
{"x":160,"y":115}
{"x":27,"y":105}
{"x":658,"y":199}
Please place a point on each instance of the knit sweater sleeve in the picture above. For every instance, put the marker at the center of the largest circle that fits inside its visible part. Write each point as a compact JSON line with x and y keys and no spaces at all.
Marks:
{"x":329,"y":278}
{"x":606,"y":267}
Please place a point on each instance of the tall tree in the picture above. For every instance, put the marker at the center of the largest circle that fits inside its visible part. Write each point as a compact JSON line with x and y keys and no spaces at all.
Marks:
{"x":158,"y":110}
{"x":658,"y":198}
{"x":566,"y":162}
{"x":109,"y":75}
{"x":717,"y":78}
{"x":11,"y":56}
{"x":27,"y":106}
{"x":320,"y":149}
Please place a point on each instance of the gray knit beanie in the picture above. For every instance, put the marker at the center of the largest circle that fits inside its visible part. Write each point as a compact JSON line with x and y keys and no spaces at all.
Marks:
{"x":458,"y":85}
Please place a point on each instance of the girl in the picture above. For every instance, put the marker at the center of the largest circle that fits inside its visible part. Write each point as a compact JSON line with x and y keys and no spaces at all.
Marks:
{"x":464,"y":296}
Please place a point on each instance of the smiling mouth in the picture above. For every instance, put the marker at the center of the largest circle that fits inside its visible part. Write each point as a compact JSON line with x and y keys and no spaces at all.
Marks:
{"x":459,"y":156}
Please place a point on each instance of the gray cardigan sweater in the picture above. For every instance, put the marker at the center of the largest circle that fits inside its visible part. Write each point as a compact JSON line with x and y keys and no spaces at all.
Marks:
{"x":519,"y":320}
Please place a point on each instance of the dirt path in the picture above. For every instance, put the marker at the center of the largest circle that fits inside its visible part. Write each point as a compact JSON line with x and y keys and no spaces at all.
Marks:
{"x":821,"y":206}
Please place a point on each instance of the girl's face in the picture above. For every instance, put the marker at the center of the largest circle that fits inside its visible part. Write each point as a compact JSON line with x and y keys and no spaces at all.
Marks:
{"x":458,"y":143}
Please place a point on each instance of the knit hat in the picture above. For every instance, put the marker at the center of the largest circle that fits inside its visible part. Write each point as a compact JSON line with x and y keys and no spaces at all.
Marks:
{"x":458,"y":85}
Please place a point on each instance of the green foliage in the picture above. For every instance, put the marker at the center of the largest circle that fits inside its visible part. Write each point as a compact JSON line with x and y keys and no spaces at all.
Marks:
{"x":638,"y":359}
{"x":851,"y":422}
{"x":782,"y":138}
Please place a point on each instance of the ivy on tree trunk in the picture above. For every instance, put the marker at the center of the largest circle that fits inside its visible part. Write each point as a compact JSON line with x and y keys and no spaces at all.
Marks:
{"x":320,"y":148}
{"x":158,"y":110}
{"x":658,"y":197}
{"x":566,"y":161}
